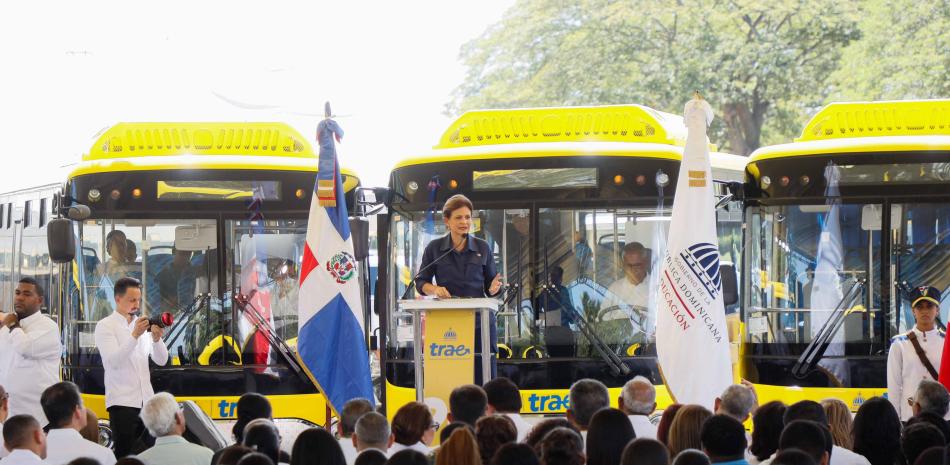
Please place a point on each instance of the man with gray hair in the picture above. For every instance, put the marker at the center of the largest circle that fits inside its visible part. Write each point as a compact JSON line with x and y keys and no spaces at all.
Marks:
{"x":931,"y":396}
{"x":587,"y":396}
{"x":164,"y":419}
{"x":352,"y":411}
{"x":638,"y":401}
{"x":372,"y":433}
{"x":737,"y":401}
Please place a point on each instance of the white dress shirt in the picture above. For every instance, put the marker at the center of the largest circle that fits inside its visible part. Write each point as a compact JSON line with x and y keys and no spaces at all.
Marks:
{"x":419,"y":447}
{"x":521,"y":425}
{"x":64,"y":445}
{"x":125,"y":359}
{"x":349,"y":450}
{"x":30,"y":363}
{"x":3,"y":447}
{"x":905,"y":370}
{"x":22,"y":457}
{"x":623,"y":293}
{"x":839,"y":456}
{"x":642,"y":426}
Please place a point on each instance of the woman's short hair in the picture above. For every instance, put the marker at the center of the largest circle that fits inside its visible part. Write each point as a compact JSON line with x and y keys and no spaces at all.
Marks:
{"x":542,"y":428}
{"x":411,"y":422}
{"x":562,"y":446}
{"x":494,"y":431}
{"x":686,"y":428}
{"x":839,"y":421}
{"x":454,"y":203}
{"x":459,"y":449}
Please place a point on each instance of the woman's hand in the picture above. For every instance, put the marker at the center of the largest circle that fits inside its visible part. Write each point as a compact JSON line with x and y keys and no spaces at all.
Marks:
{"x":495,"y":285}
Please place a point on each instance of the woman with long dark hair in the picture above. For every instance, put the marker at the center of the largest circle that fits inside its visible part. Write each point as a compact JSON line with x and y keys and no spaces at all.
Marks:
{"x":877,"y":432}
{"x":609,"y":433}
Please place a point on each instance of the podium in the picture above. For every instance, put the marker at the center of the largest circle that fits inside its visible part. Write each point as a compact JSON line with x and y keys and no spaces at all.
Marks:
{"x":449,"y":343}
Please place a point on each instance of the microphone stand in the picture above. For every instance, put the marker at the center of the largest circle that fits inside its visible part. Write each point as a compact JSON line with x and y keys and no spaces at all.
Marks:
{"x":412,"y":282}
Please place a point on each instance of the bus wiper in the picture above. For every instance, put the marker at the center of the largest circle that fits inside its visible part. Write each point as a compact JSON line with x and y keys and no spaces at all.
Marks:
{"x":816,"y":349}
{"x":178,"y":327}
{"x":263,"y":327}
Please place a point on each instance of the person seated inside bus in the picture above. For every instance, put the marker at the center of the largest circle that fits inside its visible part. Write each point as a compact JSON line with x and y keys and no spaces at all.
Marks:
{"x":176,"y":282}
{"x":283,"y":296}
{"x":117,"y":250}
{"x":626,"y":305}
{"x":553,"y":303}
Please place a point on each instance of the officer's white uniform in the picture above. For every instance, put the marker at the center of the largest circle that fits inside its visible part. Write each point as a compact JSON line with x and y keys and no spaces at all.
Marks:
{"x":905,"y":370}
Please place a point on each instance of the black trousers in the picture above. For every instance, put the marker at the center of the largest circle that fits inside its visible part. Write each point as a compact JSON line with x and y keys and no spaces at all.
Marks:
{"x":128,"y":432}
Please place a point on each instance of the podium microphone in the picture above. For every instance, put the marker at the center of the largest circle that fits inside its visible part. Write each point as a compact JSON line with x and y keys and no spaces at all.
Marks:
{"x":412,"y":283}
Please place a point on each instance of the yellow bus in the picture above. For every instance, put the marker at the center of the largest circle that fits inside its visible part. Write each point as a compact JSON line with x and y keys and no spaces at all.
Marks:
{"x":212,"y":218}
{"x":840,"y":224}
{"x":558,"y":193}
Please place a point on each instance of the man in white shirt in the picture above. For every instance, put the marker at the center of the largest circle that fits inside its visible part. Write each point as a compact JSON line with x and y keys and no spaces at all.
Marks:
{"x":352,"y":411}
{"x":628,"y":298}
{"x":372,"y":432}
{"x":62,"y":404}
{"x":4,"y":413}
{"x":165,"y":420}
{"x":906,"y":369}
{"x":125,"y":344}
{"x":638,"y":401}
{"x":30,"y":351}
{"x":25,"y":440}
{"x":504,"y":398}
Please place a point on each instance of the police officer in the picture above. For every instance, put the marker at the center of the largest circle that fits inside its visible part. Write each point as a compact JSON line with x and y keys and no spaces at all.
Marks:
{"x":915,"y":355}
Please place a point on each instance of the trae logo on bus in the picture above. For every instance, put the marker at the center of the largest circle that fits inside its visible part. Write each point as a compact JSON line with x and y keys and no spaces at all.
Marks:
{"x":342,"y":267}
{"x":703,"y":261}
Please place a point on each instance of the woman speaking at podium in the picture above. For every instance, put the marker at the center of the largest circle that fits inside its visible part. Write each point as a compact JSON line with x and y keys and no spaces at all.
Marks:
{"x":463,"y":266}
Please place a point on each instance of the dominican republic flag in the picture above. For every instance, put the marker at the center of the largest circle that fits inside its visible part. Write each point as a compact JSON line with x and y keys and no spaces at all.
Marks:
{"x":691,"y":337}
{"x":331,"y":340}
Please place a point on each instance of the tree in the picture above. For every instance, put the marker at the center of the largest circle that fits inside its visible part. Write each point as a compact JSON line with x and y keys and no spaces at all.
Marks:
{"x":763,"y":65}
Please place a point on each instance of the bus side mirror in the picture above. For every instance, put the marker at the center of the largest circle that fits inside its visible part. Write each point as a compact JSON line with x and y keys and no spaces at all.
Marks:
{"x":60,"y":240}
{"x":730,"y":284}
{"x":359,"y":231}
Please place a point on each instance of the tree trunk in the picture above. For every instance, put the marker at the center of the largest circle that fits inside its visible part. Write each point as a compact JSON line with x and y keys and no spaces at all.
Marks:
{"x":743,"y":126}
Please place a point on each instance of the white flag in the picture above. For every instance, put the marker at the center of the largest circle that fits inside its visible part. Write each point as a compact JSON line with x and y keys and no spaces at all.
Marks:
{"x":691,"y":337}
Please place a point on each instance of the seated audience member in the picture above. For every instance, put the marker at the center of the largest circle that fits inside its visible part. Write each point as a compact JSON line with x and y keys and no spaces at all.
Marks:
{"x":491,"y":433}
{"x":666,"y":419}
{"x":90,"y":432}
{"x":610,"y":431}
{"x":691,"y":457}
{"x":839,"y":422}
{"x":250,"y":406}
{"x":587,"y":396}
{"x":808,"y":437}
{"x":504,"y":398}
{"x":932,"y":456}
{"x":877,"y":432}
{"x":352,"y":411}
{"x":638,"y":401}
{"x":723,"y":439}
{"x":931,"y":418}
{"x":562,"y":446}
{"x":408,"y":457}
{"x":515,"y":454}
{"x":917,"y":438}
{"x":4,"y":413}
{"x":793,"y":457}
{"x":165,"y":421}
{"x":371,"y":457}
{"x":931,"y":396}
{"x":316,"y":446}
{"x":62,"y":405}
{"x":645,"y":451}
{"x":256,"y":458}
{"x":736,"y":401}
{"x":767,"y":426}
{"x":230,"y":455}
{"x":413,"y":428}
{"x":25,"y":442}
{"x":372,"y":432}
{"x":813,"y":411}
{"x":460,"y":449}
{"x":467,"y":404}
{"x":686,"y":428}
{"x":542,"y":429}
{"x":450,"y":428}
{"x":262,"y":436}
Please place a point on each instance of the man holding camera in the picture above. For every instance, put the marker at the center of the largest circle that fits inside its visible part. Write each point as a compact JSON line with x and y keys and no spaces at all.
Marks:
{"x":125,"y":342}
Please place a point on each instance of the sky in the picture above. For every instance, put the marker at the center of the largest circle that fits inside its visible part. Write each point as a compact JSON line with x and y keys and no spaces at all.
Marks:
{"x":71,"y":69}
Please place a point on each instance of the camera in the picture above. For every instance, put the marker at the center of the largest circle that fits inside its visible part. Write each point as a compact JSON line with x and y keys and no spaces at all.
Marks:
{"x":162,"y":320}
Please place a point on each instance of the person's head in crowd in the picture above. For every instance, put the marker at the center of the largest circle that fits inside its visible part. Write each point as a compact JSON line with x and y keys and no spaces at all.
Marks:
{"x":666,"y":419}
{"x":636,"y":262}
{"x":131,"y":252}
{"x":691,"y":457}
{"x":736,"y":401}
{"x":370,"y":457}
{"x":255,"y":458}
{"x":808,"y":437}
{"x":316,"y":446}
{"x":638,"y":397}
{"x":492,"y":432}
{"x":62,"y":405}
{"x":686,"y":428}
{"x":352,"y":411}
{"x":467,"y":403}
{"x":610,"y":431}
{"x":413,"y":424}
{"x":793,"y":457}
{"x":4,"y":405}
{"x":587,"y":396}
{"x":24,"y":432}
{"x":127,"y":293}
{"x":408,"y":457}
{"x":28,"y":297}
{"x":723,"y":438}
{"x":162,"y":416}
{"x":932,"y":456}
{"x":562,"y":446}
{"x":877,"y":431}
{"x":839,"y":421}
{"x":931,"y":396}
{"x":645,"y":451}
{"x":460,"y":449}
{"x":503,"y":396}
{"x":116,"y":243}
{"x":931,"y":418}
{"x":767,"y":426}
{"x":372,"y":432}
{"x":450,"y":428}
{"x":917,"y":438}
{"x":250,"y":406}
{"x":515,"y":453}
{"x":130,"y":460}
{"x":230,"y":455}
{"x":542,"y":428}
{"x":90,"y":432}
{"x":806,"y":410}
{"x":262,"y":436}
{"x":83,"y":461}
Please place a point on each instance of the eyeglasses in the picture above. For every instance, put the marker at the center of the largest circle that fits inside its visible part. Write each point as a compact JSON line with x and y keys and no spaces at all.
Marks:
{"x":434,"y":426}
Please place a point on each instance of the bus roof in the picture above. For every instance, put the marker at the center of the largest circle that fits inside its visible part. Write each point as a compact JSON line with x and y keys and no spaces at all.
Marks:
{"x":855,"y":127}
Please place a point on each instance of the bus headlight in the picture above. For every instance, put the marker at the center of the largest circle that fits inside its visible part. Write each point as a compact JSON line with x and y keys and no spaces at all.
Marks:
{"x":766,"y":182}
{"x":412,"y":187}
{"x":94,"y":195}
{"x":662,"y":179}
